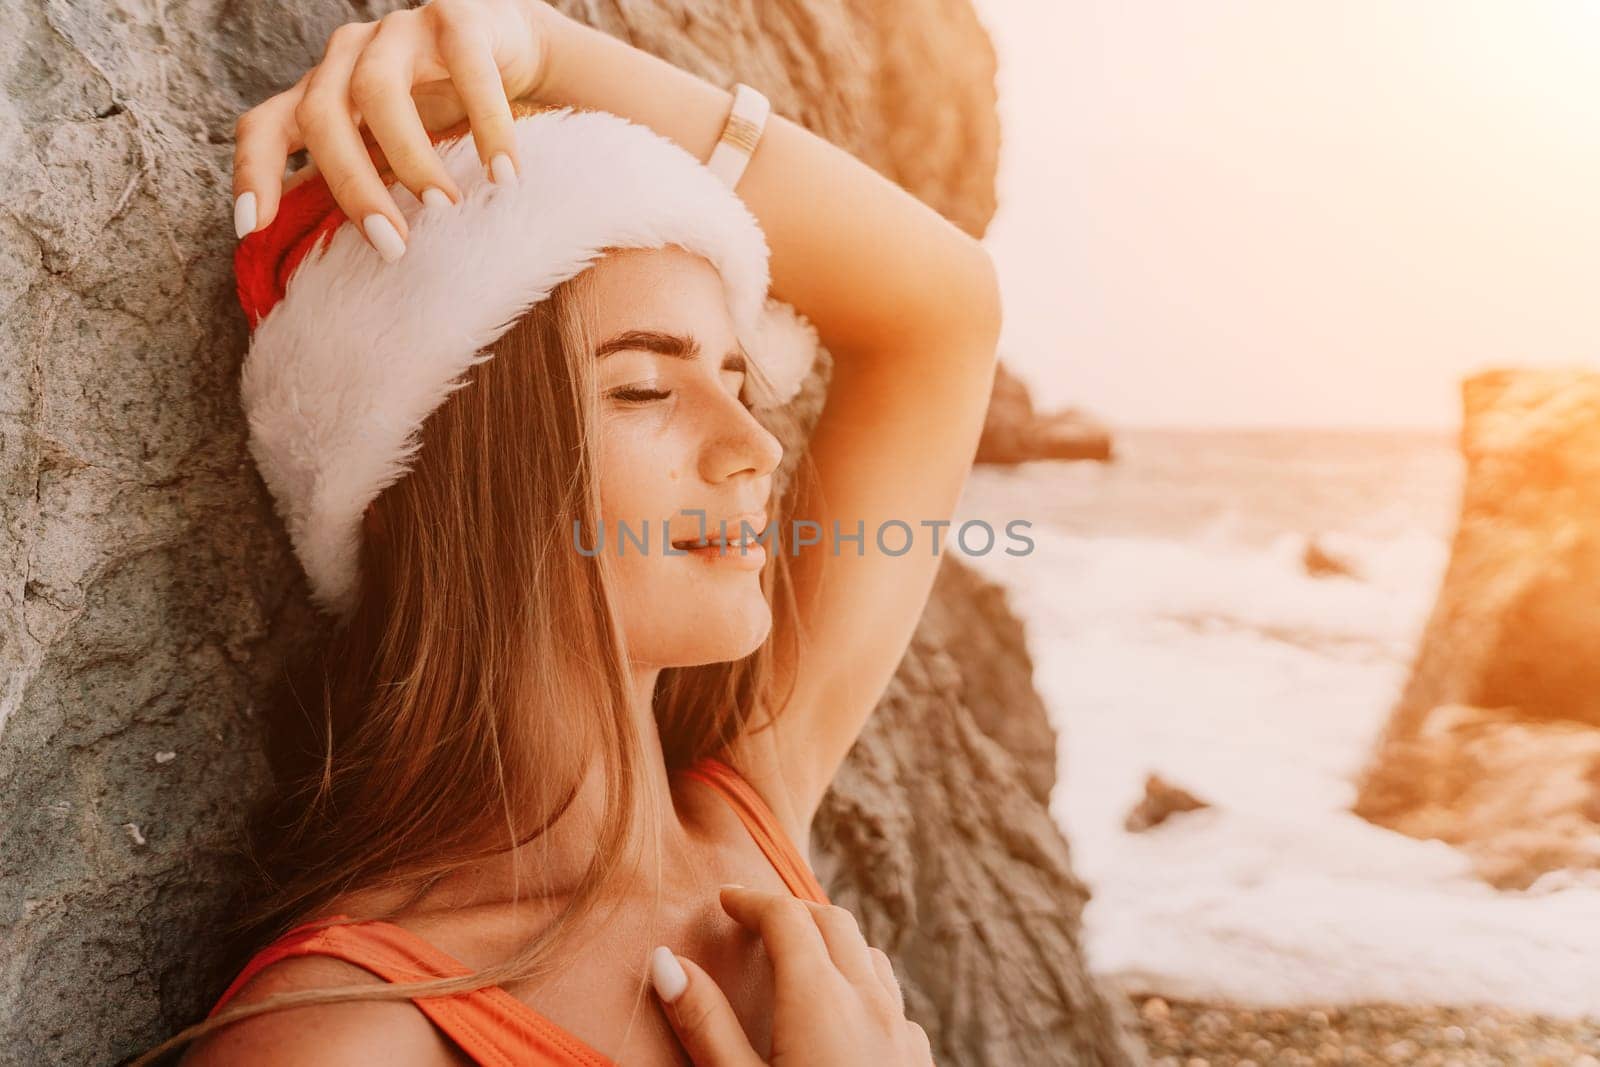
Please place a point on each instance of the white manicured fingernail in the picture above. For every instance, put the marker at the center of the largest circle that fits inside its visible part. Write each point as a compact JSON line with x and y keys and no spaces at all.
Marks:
{"x":244,"y":214}
{"x":666,"y":974}
{"x":384,"y":237}
{"x":502,"y":170}
{"x":435,"y":197}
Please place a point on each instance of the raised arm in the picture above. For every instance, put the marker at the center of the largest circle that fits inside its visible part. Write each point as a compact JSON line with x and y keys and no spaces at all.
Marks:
{"x":875,"y":269}
{"x":908,"y":306}
{"x":905,"y":301}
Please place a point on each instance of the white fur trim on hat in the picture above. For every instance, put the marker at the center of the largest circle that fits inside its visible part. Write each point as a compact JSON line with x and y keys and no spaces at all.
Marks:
{"x":343,"y":371}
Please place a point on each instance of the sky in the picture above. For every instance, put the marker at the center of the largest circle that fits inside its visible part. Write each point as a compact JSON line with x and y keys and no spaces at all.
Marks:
{"x":1294,"y":213}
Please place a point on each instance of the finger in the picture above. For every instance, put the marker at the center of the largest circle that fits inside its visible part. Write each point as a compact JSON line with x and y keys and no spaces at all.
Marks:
{"x":793,"y":942}
{"x":465,"y":46}
{"x":700,"y":1013}
{"x":380,"y":88}
{"x":885,"y":971}
{"x":842,"y":934}
{"x":263,"y":139}
{"x":334,"y":140}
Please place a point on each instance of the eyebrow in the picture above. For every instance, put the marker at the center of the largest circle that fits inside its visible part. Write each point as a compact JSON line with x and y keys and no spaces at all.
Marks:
{"x":674,"y":345}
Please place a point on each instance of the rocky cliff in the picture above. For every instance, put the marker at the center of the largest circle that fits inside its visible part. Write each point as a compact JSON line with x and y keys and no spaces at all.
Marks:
{"x":149,"y":591}
{"x":1015,"y":433}
{"x":1494,"y":745}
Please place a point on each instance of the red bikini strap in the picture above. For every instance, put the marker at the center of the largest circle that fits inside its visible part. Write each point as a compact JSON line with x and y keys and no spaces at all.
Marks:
{"x":489,"y":1024}
{"x":763,"y":825}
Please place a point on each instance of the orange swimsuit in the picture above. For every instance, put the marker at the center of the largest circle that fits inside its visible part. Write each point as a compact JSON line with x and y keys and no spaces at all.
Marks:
{"x":489,"y":1024}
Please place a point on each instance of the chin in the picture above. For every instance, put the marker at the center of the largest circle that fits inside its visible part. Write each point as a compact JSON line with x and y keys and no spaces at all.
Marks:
{"x":737,"y":634}
{"x":718,"y":630}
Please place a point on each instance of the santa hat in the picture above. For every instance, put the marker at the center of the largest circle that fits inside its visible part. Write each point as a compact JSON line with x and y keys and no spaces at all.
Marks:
{"x":349,"y":354}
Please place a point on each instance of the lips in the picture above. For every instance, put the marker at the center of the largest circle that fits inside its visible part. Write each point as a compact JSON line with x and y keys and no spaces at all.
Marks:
{"x":737,"y":535}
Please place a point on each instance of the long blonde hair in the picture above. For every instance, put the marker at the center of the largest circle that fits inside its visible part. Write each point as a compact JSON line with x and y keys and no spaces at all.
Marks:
{"x":484,"y":650}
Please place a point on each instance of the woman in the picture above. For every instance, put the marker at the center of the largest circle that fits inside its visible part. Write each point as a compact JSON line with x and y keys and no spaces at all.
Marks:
{"x":524,"y":765}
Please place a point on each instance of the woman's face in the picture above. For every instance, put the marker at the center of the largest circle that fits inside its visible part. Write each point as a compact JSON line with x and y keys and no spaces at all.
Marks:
{"x":679,"y":452}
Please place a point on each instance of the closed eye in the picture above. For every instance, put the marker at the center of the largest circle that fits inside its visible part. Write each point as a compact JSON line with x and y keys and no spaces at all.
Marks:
{"x":635,"y":395}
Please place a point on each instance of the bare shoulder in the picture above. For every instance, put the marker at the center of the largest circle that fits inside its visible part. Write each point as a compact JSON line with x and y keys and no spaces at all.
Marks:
{"x":394,"y":1033}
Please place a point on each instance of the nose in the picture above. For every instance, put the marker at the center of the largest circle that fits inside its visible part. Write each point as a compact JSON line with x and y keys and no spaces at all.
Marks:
{"x":736,"y":443}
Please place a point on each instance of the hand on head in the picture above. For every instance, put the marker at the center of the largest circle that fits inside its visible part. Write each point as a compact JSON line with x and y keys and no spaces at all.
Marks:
{"x":364,"y":114}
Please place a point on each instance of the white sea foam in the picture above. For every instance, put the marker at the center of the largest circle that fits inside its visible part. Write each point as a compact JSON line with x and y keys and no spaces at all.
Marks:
{"x":1209,"y":656}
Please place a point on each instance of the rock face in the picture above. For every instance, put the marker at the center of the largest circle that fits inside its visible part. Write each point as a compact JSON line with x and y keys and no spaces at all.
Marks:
{"x":1515,"y":624}
{"x":1015,"y":433}
{"x":1320,"y":563}
{"x":1160,"y":802}
{"x":152,"y":592}
{"x":936,"y":836}
{"x":1492,"y":743}
{"x":1520,"y":796}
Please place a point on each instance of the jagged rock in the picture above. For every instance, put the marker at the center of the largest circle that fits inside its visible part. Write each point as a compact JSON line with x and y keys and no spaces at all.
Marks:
{"x":934,"y":838}
{"x":1070,"y":434}
{"x":1161,"y":799}
{"x":1320,"y":563}
{"x":1520,"y":796}
{"x":1514,"y":636}
{"x":988,"y":649}
{"x":150,"y":594}
{"x":1515,"y":623}
{"x":1014,"y":433}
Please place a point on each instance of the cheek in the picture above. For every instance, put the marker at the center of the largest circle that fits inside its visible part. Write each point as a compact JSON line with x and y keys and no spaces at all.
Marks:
{"x":644,"y":479}
{"x":637,"y":480}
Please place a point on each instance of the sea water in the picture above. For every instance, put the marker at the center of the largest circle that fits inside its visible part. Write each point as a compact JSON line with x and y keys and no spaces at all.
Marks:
{"x":1176,"y":631}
